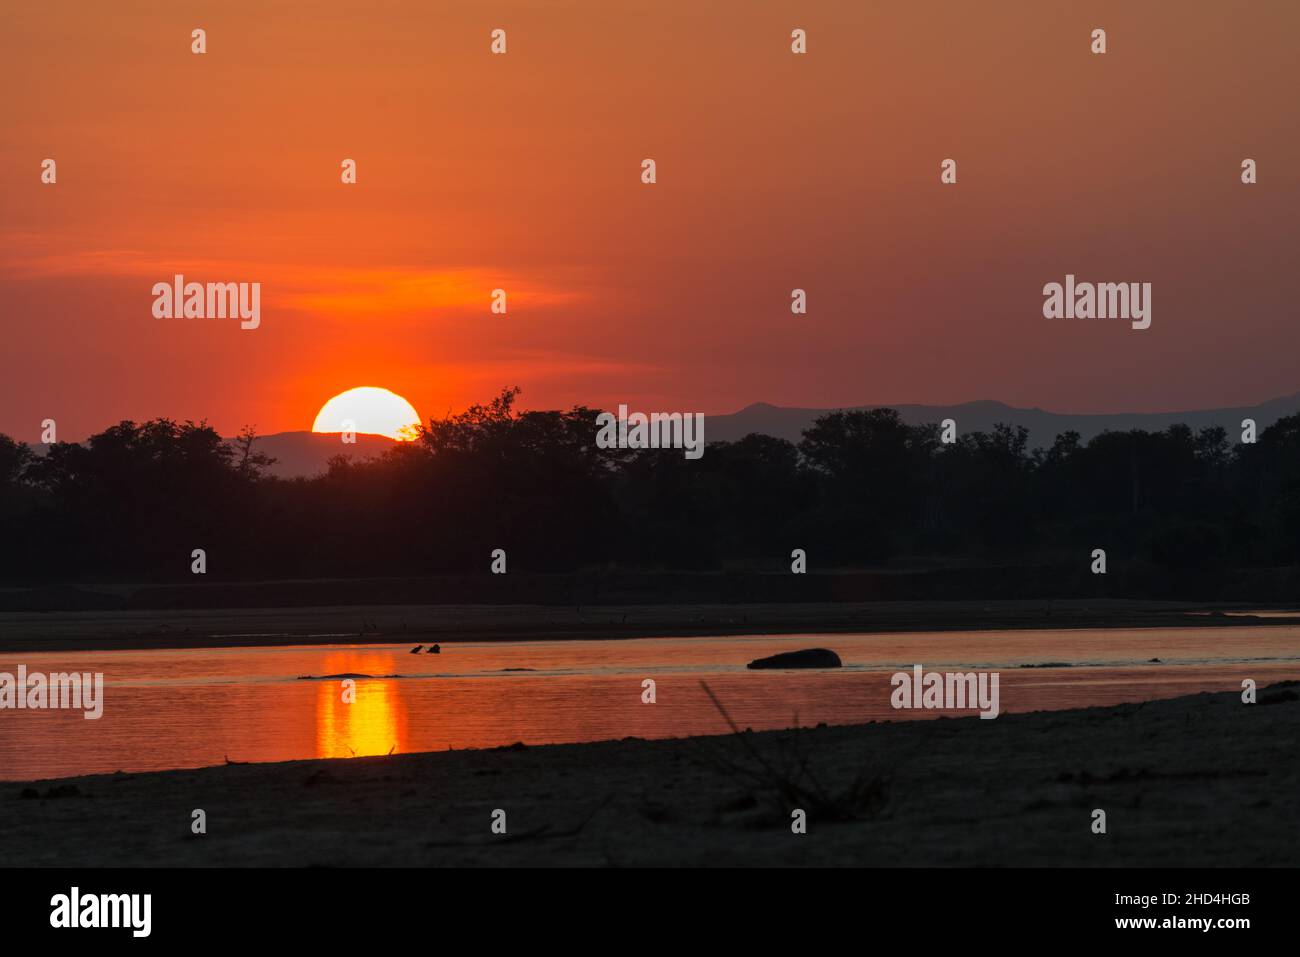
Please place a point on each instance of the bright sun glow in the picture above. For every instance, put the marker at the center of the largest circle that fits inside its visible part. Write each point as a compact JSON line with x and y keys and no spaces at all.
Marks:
{"x":371,"y":411}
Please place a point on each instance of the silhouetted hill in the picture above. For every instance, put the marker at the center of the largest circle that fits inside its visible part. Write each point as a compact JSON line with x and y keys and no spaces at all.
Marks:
{"x":307,"y":453}
{"x":981,"y":416}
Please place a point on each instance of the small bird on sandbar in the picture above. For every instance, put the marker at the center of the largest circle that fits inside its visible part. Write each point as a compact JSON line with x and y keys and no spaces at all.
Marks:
{"x":416,"y":649}
{"x":433,"y":650}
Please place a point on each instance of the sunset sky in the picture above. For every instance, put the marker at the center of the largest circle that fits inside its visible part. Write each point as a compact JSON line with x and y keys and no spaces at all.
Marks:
{"x":522,"y":171}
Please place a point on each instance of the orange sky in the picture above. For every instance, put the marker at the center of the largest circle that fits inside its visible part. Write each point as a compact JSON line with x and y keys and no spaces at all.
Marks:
{"x":522,"y":172}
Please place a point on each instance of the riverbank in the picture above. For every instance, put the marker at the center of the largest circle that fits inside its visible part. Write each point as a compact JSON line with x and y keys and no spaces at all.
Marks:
{"x":383,"y":624}
{"x":1203,"y":780}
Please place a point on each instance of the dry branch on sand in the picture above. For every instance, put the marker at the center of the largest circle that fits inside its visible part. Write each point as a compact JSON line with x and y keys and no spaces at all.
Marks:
{"x":785,"y":780}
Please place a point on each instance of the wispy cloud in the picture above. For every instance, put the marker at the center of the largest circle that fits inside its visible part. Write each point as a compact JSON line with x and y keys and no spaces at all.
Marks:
{"x":321,"y":290}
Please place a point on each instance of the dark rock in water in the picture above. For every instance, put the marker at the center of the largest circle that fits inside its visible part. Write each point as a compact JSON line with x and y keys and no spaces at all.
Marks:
{"x":355,"y":676}
{"x":805,"y":658}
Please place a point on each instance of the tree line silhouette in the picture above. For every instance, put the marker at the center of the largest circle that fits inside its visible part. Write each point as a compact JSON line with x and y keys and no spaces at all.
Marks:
{"x":861,"y":489}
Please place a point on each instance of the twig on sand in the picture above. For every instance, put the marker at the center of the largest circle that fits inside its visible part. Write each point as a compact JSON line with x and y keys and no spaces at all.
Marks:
{"x":539,"y":833}
{"x":791,"y":783}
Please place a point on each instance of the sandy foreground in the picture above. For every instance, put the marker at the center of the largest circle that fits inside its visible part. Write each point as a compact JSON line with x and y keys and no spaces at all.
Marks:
{"x":386,"y":624}
{"x":1197,"y":781}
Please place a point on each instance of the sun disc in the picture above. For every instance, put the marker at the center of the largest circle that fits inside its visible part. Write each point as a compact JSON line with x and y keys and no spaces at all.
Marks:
{"x":369,"y":410}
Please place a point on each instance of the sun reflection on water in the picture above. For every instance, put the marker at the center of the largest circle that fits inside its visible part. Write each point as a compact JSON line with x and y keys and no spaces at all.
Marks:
{"x":374,"y":723}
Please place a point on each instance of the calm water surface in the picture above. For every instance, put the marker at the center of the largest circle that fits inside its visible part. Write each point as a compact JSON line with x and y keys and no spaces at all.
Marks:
{"x":191,"y":708}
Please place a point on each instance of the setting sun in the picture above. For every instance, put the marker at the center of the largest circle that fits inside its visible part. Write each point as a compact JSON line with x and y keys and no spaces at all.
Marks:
{"x":369,"y":410}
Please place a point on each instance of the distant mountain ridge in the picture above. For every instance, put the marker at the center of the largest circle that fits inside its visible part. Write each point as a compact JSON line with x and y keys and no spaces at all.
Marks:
{"x":303,"y":454}
{"x":982,"y":415}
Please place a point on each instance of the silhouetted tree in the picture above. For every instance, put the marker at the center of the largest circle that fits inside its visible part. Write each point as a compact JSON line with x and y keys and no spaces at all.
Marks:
{"x":861,"y":488}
